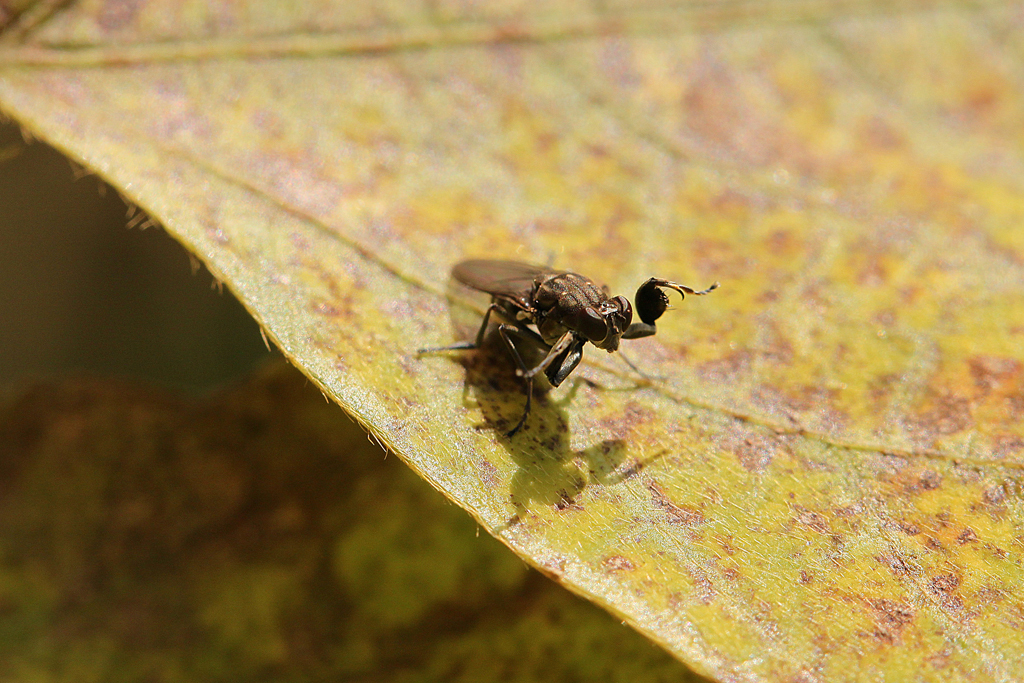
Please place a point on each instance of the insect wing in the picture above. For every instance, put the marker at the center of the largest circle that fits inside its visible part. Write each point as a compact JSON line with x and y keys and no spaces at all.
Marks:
{"x":506,"y":279}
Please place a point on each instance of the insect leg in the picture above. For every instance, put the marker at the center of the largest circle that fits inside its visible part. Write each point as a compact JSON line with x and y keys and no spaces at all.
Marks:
{"x":559,"y":348}
{"x":468,"y":345}
{"x":507,"y":332}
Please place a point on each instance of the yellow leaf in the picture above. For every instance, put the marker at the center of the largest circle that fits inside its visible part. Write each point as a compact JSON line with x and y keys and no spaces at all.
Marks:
{"x":824,"y":481}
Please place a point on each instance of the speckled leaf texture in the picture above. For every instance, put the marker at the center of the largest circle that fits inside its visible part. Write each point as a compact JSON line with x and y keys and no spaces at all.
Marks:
{"x":821,"y":480}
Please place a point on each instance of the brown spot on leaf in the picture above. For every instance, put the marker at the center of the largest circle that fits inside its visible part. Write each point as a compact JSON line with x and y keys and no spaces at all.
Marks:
{"x":703,"y":586}
{"x":944,"y":587}
{"x":327,"y":309}
{"x":967,"y":536}
{"x":632,"y":416}
{"x":909,"y":528}
{"x":633,"y":469}
{"x":567,"y":502}
{"x":753,"y":449}
{"x":727,"y":368}
{"x":552,"y":567}
{"x":805,"y":578}
{"x":890,"y":618}
{"x":994,"y":373}
{"x":1008,"y":446}
{"x":944,"y":414}
{"x":916,"y":483}
{"x":929,"y":480}
{"x":676,"y":514}
{"x":814,"y":521}
{"x":993,"y":499}
{"x":899,"y":566}
{"x":618,"y":563}
{"x":488,"y":473}
{"x":994,"y":495}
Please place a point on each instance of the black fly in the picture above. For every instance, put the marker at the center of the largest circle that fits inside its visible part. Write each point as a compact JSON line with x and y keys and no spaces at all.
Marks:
{"x":567,"y":309}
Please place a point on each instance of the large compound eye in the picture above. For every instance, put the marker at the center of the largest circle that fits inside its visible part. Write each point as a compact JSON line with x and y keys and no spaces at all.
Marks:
{"x":592,"y":325}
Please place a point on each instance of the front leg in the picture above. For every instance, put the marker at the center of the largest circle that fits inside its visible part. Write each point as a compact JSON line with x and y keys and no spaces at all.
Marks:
{"x":562,"y":366}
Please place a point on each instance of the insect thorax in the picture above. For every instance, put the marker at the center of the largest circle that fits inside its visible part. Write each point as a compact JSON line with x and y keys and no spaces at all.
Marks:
{"x":560,"y":297}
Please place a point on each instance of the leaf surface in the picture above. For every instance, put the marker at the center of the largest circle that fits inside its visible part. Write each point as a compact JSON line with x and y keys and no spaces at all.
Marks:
{"x":823,"y":478}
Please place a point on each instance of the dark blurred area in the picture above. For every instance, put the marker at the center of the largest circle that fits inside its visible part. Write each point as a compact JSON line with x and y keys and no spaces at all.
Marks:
{"x":82,"y":293}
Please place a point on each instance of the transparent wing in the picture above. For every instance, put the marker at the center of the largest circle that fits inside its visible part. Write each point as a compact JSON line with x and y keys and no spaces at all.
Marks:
{"x":507,"y":279}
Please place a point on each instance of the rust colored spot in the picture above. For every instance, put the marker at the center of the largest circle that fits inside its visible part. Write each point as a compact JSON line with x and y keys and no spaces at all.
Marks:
{"x":945,"y":582}
{"x":705,"y":589}
{"x":330,"y":310}
{"x":941,"y":659}
{"x":631,"y":416}
{"x":775,"y":347}
{"x":753,"y":449}
{"x":943,"y":587}
{"x":983,"y":99}
{"x":994,"y":495}
{"x":910,"y":529}
{"x":849,"y":511}
{"x":1009,"y":445}
{"x":805,"y":578}
{"x":927,"y":480}
{"x":676,"y":514}
{"x":890,"y":618}
{"x":567,"y":502}
{"x":488,"y":473}
{"x":1015,"y":405}
{"x":553,"y":567}
{"x":946,"y":414}
{"x":993,"y":373}
{"x":731,"y":573}
{"x":618,"y":563}
{"x":881,"y":389}
{"x":634,"y":469}
{"x":814,"y":521}
{"x":726,"y":368}
{"x":967,"y":536}
{"x":900,"y":567}
{"x":754,"y":456}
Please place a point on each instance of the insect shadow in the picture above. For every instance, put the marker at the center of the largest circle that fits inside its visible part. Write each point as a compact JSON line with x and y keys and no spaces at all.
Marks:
{"x":549,"y":471}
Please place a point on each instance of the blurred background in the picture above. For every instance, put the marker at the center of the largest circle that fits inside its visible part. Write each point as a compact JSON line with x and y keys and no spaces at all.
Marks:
{"x":83,"y":293}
